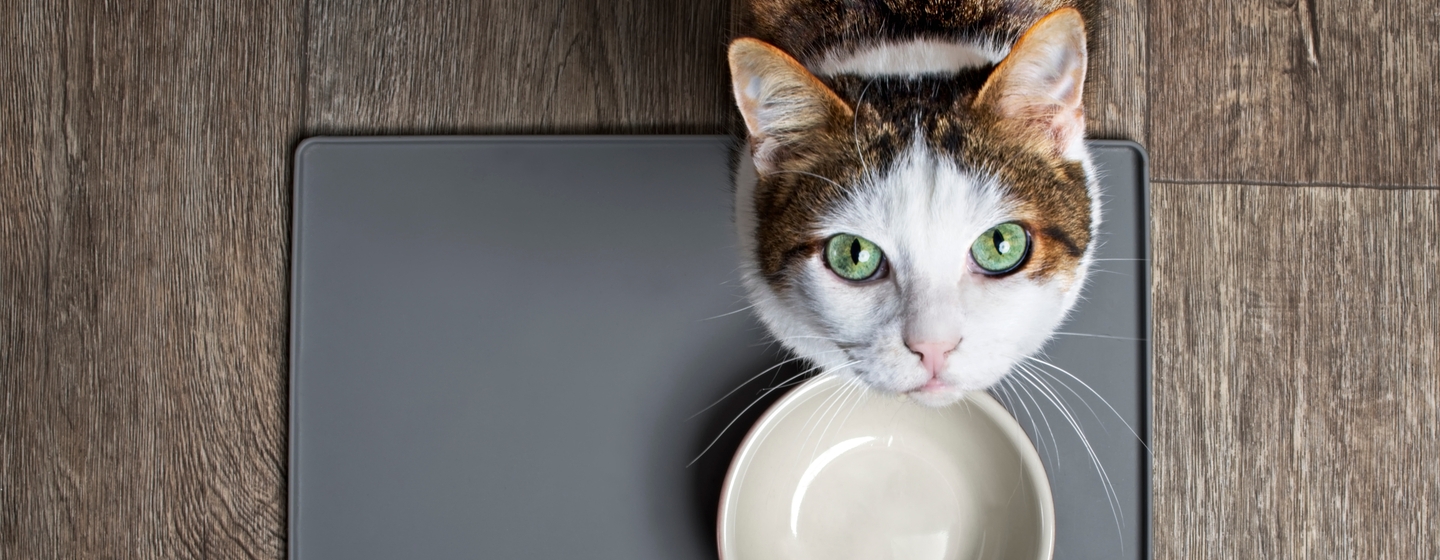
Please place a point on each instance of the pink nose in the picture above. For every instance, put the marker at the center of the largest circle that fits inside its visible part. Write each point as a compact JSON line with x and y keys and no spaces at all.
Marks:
{"x":932,"y":354}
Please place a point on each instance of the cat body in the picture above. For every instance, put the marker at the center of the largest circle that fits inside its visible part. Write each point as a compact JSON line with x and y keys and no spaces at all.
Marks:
{"x":917,"y":209}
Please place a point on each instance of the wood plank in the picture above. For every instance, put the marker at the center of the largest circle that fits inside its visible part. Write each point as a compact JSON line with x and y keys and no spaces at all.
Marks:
{"x":516,"y":66}
{"x":1116,"y":103}
{"x":1297,"y":356}
{"x":31,"y":162}
{"x":587,"y":67}
{"x":1295,"y":91}
{"x":144,"y":240}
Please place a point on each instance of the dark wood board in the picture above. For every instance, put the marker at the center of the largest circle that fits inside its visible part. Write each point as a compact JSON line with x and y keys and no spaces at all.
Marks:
{"x":517,"y":67}
{"x":1297,"y":369}
{"x":1116,"y":102}
{"x":144,"y":219}
{"x":1295,"y":91}
{"x":145,"y":224}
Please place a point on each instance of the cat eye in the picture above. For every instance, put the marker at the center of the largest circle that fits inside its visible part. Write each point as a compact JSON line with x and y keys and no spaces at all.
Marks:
{"x":1001,"y":249}
{"x":853,"y":258}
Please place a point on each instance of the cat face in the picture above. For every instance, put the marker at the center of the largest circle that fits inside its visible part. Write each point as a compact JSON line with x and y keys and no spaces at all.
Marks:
{"x":924,"y":233}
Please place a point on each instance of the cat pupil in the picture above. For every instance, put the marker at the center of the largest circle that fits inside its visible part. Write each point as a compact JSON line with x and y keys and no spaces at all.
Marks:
{"x":1000,"y":245}
{"x":855,"y":251}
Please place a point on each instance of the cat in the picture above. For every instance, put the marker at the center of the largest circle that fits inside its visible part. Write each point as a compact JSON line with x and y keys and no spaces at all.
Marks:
{"x":916,"y":205}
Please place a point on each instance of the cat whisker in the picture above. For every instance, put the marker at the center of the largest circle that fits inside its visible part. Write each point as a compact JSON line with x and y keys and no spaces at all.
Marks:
{"x":1111,"y":495}
{"x":894,"y":413}
{"x":849,"y":391}
{"x":1020,"y":392}
{"x":792,"y":382}
{"x":1028,"y":415}
{"x":794,"y":379}
{"x":820,"y":177}
{"x":742,"y":414}
{"x":1038,"y":371}
{"x":1130,"y":259}
{"x":774,"y":340}
{"x":1088,"y":335}
{"x":1063,"y":401}
{"x":837,"y":396}
{"x":1097,"y":394}
{"x":1003,"y":396}
{"x":864,"y":392}
{"x":747,"y":382}
{"x":830,"y":400}
{"x":1010,"y":397}
{"x":1054,"y":443}
{"x":1063,"y":404}
{"x":855,"y":127}
{"x":728,"y":314}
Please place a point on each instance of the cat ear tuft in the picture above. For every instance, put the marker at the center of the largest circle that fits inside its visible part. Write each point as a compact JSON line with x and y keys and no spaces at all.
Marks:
{"x":1037,"y":88}
{"x":781,"y":101}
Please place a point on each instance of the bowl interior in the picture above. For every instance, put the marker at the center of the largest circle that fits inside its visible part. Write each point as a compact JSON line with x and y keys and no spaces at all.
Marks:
{"x":834,"y":471}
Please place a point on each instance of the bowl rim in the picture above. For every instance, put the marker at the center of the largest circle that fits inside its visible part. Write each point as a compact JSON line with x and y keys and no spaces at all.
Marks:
{"x":1008,"y":424}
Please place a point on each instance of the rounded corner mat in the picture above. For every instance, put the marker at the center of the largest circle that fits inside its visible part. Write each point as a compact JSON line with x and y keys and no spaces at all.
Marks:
{"x":507,"y":349}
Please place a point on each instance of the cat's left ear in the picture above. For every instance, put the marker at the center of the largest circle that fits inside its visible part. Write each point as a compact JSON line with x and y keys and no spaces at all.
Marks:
{"x":785,"y":107}
{"x":1036,"y":90}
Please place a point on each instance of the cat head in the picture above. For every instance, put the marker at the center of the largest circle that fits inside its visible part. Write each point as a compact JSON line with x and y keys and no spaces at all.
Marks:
{"x":921,"y":233}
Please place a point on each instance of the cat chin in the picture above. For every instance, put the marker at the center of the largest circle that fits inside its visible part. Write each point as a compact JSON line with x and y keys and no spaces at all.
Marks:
{"x":938,"y":398}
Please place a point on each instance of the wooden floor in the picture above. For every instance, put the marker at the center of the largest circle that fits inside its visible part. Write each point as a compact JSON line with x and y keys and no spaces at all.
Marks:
{"x":144,"y":215}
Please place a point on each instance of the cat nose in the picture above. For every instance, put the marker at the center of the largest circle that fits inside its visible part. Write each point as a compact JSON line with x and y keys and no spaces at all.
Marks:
{"x":933,"y":354}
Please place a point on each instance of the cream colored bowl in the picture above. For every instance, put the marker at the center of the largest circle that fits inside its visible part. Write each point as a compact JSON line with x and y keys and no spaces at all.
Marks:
{"x":834,"y":472}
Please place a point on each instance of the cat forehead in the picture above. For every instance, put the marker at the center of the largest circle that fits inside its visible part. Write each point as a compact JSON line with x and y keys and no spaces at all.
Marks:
{"x":892,"y":115}
{"x":896,"y":107}
{"x":924,"y":207}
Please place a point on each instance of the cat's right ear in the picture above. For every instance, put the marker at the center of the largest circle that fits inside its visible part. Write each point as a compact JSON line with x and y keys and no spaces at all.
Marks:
{"x":782,"y":102}
{"x":1036,"y":90}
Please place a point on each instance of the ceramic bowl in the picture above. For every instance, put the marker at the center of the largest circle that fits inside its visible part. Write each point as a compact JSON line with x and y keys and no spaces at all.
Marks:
{"x":834,"y":471}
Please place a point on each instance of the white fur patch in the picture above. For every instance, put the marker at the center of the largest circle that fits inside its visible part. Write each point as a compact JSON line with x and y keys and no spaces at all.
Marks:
{"x":910,"y":58}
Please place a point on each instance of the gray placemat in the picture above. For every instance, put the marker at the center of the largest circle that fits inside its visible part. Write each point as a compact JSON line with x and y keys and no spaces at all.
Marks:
{"x":498,"y":345}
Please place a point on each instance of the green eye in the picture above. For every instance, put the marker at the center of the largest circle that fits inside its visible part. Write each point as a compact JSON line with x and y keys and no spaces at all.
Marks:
{"x":853,"y":257}
{"x":1001,"y":249}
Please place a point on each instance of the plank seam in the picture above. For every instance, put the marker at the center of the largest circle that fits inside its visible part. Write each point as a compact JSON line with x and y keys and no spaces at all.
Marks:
{"x":1337,"y":185}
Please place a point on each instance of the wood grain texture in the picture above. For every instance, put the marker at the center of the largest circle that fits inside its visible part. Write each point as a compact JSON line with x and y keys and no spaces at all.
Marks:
{"x":144,"y":196}
{"x":1116,"y":102}
{"x":517,"y":66}
{"x":144,"y":276}
{"x":1297,"y":346}
{"x":1295,"y":91}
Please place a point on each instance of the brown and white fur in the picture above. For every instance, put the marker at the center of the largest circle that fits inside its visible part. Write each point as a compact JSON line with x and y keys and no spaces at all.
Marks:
{"x":918,"y":125}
